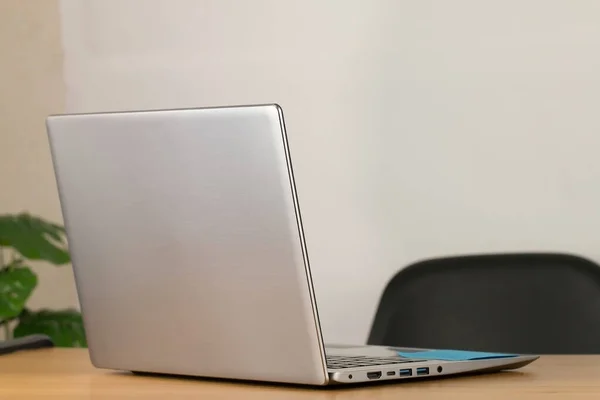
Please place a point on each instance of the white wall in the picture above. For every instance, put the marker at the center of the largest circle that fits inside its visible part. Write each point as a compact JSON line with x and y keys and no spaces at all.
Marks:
{"x":418,"y":128}
{"x":31,"y":87}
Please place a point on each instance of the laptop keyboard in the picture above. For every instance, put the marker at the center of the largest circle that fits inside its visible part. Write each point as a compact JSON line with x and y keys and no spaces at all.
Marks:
{"x":341,"y":362}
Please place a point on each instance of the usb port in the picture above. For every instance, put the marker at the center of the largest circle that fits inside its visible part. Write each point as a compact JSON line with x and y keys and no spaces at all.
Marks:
{"x":423,"y":371}
{"x":374,"y":375}
{"x":391,"y":373}
{"x":406,"y":372}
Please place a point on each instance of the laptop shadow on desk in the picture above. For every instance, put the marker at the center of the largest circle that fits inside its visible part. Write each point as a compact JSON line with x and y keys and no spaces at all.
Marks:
{"x":509,"y":376}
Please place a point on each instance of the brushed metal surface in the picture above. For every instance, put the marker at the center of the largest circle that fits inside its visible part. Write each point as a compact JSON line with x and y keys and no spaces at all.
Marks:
{"x":186,"y":243}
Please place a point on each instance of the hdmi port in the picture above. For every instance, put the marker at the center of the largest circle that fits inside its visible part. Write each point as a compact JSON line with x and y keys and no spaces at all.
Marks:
{"x":374,"y":375}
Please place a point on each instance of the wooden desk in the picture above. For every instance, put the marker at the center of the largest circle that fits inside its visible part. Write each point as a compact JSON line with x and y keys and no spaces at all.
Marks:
{"x":68,"y":374}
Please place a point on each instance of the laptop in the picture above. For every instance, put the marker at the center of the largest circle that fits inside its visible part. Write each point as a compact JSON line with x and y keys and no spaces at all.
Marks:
{"x":189,"y":254}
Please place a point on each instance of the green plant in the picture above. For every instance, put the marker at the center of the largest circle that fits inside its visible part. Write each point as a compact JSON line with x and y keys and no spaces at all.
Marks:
{"x":25,"y":238}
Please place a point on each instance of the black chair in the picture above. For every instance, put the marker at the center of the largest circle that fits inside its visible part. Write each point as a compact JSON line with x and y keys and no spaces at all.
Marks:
{"x":515,"y":303}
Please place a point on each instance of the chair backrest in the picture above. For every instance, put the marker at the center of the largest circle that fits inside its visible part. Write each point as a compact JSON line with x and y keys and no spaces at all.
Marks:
{"x":516,"y":303}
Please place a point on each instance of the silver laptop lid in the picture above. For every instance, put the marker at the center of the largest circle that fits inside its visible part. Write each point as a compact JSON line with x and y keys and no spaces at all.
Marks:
{"x":187,"y":244}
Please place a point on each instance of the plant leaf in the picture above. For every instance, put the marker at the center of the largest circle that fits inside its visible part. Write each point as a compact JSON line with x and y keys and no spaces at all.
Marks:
{"x":16,"y":285}
{"x":65,"y":327}
{"x":34,"y":238}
